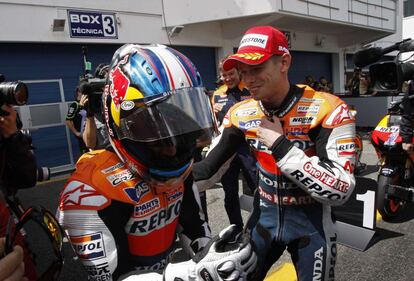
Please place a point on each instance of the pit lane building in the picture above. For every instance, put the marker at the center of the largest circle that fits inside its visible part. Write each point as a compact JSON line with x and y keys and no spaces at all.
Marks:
{"x":41,"y":43}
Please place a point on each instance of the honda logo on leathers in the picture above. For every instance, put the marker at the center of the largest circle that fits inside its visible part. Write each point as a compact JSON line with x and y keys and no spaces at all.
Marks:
{"x":294,"y":121}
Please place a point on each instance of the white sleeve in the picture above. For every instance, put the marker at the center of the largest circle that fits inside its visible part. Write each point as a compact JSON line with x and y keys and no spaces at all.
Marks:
{"x":92,"y":241}
{"x":327,"y":177}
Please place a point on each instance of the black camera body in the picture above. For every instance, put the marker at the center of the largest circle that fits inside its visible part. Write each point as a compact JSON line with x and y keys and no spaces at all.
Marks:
{"x":13,"y":93}
{"x":93,"y":85}
{"x":93,"y":88}
{"x":387,"y":77}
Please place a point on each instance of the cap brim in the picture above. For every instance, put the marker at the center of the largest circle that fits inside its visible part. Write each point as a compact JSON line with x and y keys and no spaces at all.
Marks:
{"x":246,"y":58}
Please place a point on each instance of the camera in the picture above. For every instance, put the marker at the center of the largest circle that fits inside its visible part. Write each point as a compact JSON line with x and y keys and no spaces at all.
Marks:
{"x":13,"y":93}
{"x":93,"y":88}
{"x":387,"y":77}
{"x":93,"y":85}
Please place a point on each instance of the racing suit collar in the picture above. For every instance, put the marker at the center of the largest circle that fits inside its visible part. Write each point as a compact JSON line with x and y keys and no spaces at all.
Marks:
{"x":294,"y":95}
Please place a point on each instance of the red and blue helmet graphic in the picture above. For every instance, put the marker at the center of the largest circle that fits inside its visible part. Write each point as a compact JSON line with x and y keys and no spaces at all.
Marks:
{"x":145,"y":72}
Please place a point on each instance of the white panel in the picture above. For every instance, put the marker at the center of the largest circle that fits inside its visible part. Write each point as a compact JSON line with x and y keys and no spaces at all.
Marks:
{"x":147,"y":7}
{"x":278,"y":4}
{"x":39,"y":28}
{"x":375,"y":15}
{"x":358,"y":7}
{"x":133,"y":28}
{"x":319,"y":11}
{"x":374,"y":22}
{"x":359,"y":19}
{"x":321,"y":2}
{"x":389,"y":23}
{"x":296,"y":6}
{"x":42,"y":115}
{"x":389,"y":4}
{"x":375,"y":2}
{"x":374,"y":11}
{"x":342,"y":13}
{"x":189,"y":11}
{"x":408,"y":27}
{"x":24,"y":114}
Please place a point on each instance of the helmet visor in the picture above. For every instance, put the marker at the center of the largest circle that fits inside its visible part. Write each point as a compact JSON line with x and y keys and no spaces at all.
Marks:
{"x":183,"y":111}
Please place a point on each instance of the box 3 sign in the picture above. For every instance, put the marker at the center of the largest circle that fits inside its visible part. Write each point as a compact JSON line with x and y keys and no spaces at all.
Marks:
{"x":84,"y":24}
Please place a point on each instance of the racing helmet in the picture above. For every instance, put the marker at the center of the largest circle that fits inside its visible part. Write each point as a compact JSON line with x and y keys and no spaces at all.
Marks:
{"x":156,"y":112}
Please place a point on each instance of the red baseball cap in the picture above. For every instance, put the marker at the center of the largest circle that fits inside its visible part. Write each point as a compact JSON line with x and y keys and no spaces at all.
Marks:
{"x":258,"y":44}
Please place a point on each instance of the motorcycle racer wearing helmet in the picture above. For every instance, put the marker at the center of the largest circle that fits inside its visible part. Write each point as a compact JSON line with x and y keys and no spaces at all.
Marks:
{"x":157,"y":111}
{"x":122,"y":207}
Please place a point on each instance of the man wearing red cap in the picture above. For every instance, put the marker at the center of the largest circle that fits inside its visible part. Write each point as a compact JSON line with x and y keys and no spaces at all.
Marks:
{"x":303,"y":141}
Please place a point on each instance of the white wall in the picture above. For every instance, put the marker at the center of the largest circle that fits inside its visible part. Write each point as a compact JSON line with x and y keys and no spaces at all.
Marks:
{"x":214,"y":23}
{"x":369,"y":13}
{"x":180,"y":12}
{"x":144,"y":7}
{"x":399,"y":26}
{"x":408,"y":27}
{"x":408,"y":32}
{"x":140,"y":23}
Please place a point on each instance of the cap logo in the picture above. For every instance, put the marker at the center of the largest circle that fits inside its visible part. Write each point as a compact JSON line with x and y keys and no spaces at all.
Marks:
{"x":253,"y":39}
{"x":283,"y":49}
{"x":249,"y":56}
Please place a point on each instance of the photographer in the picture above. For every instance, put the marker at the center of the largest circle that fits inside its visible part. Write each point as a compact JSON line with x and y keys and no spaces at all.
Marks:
{"x":75,"y":120}
{"x":353,"y":83}
{"x":94,"y":134}
{"x":18,"y":170}
{"x":18,"y":165}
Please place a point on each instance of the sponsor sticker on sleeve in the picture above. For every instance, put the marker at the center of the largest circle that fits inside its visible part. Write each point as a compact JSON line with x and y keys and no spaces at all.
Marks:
{"x":89,"y":247}
{"x":345,"y":147}
{"x":122,"y":176}
{"x":249,"y":124}
{"x":246,"y":112}
{"x":308,"y":109}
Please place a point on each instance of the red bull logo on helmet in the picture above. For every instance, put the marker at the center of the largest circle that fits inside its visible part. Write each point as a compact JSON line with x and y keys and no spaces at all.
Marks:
{"x":120,"y":84}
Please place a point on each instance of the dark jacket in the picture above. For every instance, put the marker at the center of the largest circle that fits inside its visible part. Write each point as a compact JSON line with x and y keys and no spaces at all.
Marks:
{"x":406,"y":128}
{"x":17,"y":162}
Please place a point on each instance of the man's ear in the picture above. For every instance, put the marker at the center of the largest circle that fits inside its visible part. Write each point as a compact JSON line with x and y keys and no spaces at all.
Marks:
{"x":285,"y":62}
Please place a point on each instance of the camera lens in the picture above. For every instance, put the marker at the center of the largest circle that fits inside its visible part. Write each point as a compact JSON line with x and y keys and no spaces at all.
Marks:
{"x":13,"y":93}
{"x":43,"y":174}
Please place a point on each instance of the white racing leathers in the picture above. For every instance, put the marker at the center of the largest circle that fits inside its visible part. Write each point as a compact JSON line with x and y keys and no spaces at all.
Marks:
{"x":301,"y":176}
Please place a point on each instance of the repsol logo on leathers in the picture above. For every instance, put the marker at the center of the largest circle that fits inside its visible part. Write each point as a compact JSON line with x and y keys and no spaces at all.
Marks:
{"x":158,"y":220}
